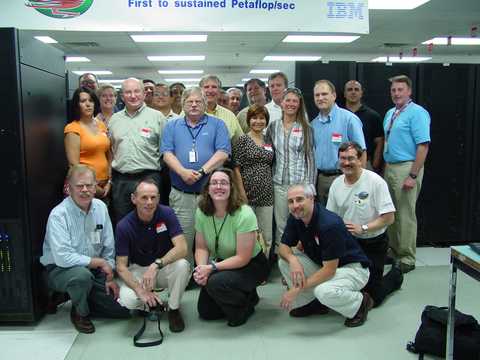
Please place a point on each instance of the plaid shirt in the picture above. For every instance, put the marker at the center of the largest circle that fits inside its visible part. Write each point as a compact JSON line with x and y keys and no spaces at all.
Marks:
{"x":290,"y":165}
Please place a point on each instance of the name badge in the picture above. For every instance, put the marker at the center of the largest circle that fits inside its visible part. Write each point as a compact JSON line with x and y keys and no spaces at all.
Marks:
{"x":95,"y":237}
{"x":268,"y":147}
{"x":297,"y":132}
{"x":192,"y":156}
{"x":160,"y":227}
{"x":336,"y":138}
{"x":145,"y":132}
{"x":317,"y":240}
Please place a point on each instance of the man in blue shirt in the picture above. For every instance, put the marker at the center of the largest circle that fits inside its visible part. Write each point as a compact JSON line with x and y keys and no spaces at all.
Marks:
{"x":192,"y":146}
{"x":78,"y":252}
{"x":407,"y":139}
{"x":150,"y":253}
{"x":331,"y":127}
{"x":332,"y":268}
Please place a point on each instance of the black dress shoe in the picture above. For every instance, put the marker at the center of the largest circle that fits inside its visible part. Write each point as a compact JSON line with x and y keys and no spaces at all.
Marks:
{"x":175,"y":321}
{"x":406,"y":268}
{"x":240,"y":320}
{"x":314,"y":307}
{"x":83,"y":324}
{"x":361,"y":315}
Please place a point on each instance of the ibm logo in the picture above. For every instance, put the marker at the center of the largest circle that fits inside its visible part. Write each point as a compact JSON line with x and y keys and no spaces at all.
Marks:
{"x":345,"y":10}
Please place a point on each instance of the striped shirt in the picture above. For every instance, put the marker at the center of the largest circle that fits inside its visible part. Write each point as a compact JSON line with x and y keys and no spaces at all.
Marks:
{"x":291,"y":166}
{"x":73,"y":237}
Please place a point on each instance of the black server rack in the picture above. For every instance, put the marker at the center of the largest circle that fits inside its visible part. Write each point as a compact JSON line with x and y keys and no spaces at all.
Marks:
{"x":33,"y":103}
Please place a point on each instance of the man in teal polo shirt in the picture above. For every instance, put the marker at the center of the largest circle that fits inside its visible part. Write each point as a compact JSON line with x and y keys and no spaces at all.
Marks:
{"x":192,"y":146}
{"x":407,"y":139}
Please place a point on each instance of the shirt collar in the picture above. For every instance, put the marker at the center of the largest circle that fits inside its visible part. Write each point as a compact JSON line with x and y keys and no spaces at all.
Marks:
{"x":202,"y":121}
{"x":330,"y":116}
{"x":72,"y":206}
{"x":139,"y":110}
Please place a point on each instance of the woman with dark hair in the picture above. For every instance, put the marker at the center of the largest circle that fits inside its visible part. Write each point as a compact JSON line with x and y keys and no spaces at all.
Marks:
{"x":86,"y":140}
{"x":292,"y":140}
{"x":253,"y":160}
{"x":230,"y":261}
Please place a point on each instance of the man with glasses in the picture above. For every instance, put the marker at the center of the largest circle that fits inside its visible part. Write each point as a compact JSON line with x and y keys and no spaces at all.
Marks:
{"x":361,"y":198}
{"x":135,"y":133}
{"x":163,"y":102}
{"x":371,"y":121}
{"x":331,"y":127}
{"x":88,"y":80}
{"x":192,"y":146}
{"x":176,"y":91}
{"x":78,"y":252}
{"x":150,"y":249}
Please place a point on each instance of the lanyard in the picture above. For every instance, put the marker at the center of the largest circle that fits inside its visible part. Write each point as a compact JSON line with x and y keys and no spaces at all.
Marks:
{"x":194,"y":137}
{"x":217,"y":234}
{"x":395,"y":115}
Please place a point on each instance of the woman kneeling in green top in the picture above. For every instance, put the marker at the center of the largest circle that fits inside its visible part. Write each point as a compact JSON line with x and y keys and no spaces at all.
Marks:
{"x":230,"y":261}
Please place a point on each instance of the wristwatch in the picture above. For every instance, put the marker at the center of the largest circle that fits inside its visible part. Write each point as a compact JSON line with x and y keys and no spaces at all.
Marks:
{"x":159,"y":263}
{"x":202,"y":171}
{"x":413,"y":176}
{"x":214,"y":266}
{"x":364,"y":229}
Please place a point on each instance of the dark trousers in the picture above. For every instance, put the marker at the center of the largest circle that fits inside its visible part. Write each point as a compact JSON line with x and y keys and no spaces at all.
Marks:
{"x":379,"y":286}
{"x":86,"y":289}
{"x":232,"y":293}
{"x":123,"y":185}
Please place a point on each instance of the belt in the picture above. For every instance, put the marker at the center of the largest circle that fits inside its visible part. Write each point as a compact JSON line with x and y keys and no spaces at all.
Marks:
{"x":329,"y":172}
{"x":133,"y":176}
{"x":186,"y":192}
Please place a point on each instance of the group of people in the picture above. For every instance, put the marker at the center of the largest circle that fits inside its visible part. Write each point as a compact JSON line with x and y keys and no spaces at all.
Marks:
{"x":201,"y":195}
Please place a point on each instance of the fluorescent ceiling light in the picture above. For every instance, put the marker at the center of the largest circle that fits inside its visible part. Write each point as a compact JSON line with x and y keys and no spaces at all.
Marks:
{"x":395,"y":4}
{"x":172,"y":72}
{"x":263,"y":71}
{"x":443,"y":40}
{"x":246,"y":79}
{"x":320,"y":39}
{"x":94,"y":72}
{"x":291,"y":58}
{"x":108,"y":81}
{"x":177,"y":58}
{"x":77,"y":59}
{"x":46,"y":39}
{"x":240,"y":85}
{"x":183,"y":80}
{"x":404,"y":59}
{"x":169,"y":38}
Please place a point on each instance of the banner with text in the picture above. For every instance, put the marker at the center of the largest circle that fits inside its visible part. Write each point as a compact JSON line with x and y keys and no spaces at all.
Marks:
{"x":324,"y":16}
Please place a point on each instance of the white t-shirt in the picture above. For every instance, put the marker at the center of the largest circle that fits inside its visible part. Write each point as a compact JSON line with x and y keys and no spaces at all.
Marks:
{"x":361,"y":202}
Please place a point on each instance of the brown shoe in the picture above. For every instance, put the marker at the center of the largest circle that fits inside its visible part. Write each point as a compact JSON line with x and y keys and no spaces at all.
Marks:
{"x":81,"y":323}
{"x":361,"y":315}
{"x":312,"y":308}
{"x":175,"y":321}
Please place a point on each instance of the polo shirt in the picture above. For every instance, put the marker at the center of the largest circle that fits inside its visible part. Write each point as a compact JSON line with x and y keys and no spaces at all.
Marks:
{"x":325,"y":238}
{"x":330,"y":131}
{"x":410,"y":128}
{"x":74,"y":236}
{"x":144,"y":242}
{"x":222,"y":113}
{"x":211,"y":136}
{"x":136,"y":140}
{"x":372,"y":127}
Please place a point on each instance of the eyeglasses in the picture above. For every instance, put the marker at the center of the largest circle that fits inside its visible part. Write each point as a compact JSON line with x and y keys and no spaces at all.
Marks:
{"x":88,"y":82}
{"x":191,"y":102}
{"x":165,"y":93}
{"x":347,"y":158}
{"x":222,"y":183}
{"x":81,"y":186}
{"x":294,"y":90}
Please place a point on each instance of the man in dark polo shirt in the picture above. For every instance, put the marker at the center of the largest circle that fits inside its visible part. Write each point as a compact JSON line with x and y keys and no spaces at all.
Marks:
{"x":330,"y":271}
{"x":371,"y":121}
{"x":151,"y":252}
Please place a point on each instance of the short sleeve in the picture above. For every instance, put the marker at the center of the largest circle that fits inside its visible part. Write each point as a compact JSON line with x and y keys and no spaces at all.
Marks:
{"x":167,"y":143}
{"x":246,"y":221}
{"x":420,"y":125}
{"x":73,"y":127}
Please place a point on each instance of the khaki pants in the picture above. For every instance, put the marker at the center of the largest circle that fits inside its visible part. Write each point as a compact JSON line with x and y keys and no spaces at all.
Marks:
{"x":265,"y":219}
{"x":323,"y":186}
{"x":280,"y":210}
{"x":185,"y":206}
{"x":341,"y":293}
{"x":402,"y":233}
{"x":173,"y":276}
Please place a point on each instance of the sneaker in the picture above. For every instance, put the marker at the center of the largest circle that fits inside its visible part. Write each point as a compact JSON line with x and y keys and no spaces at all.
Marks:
{"x":361,"y":315}
{"x":175,"y":321}
{"x":314,"y":307}
{"x":83,"y":324}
